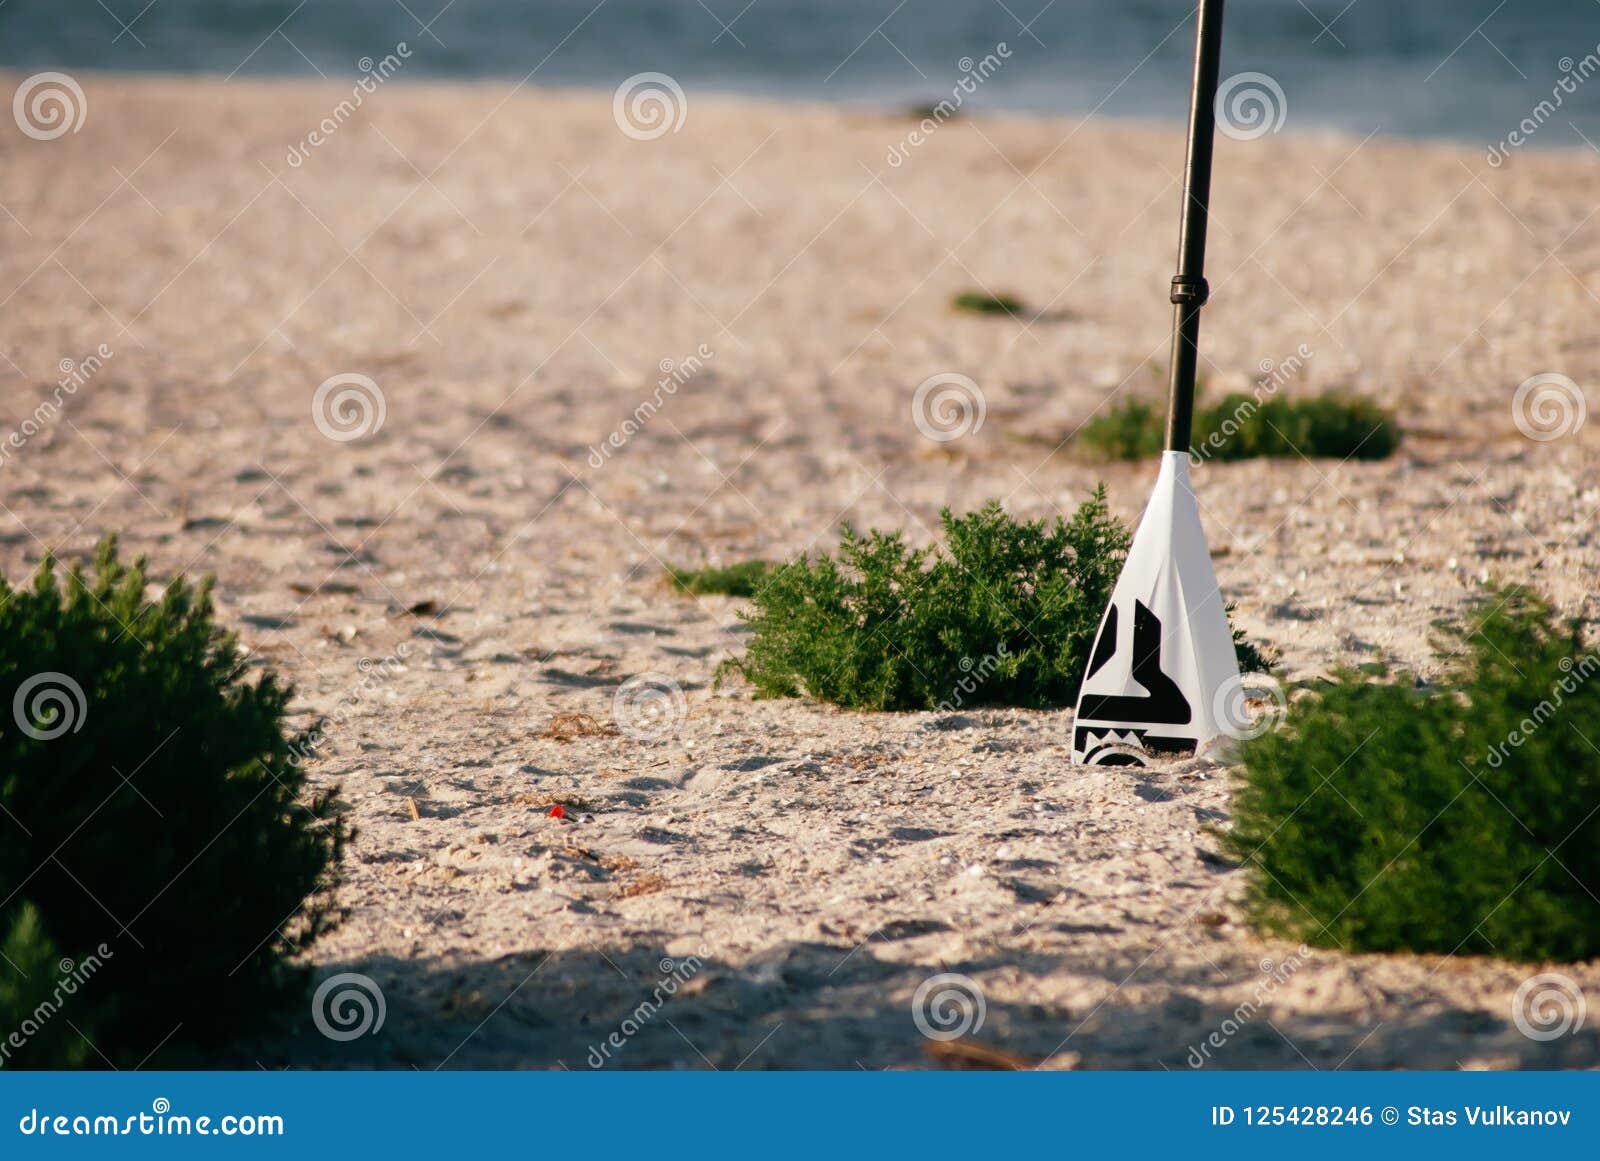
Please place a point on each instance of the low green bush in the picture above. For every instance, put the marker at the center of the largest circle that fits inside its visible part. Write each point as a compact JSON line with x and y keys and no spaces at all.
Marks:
{"x":938,"y":111}
{"x":1238,"y":427}
{"x":1130,"y":430}
{"x":1459,"y":816}
{"x":981,"y":302}
{"x":1252,"y":656}
{"x":152,"y":804}
{"x":35,"y":984}
{"x":1003,"y":612}
{"x":741,"y":579}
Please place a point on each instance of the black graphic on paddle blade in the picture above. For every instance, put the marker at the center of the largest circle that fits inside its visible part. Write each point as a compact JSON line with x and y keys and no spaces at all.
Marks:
{"x":1165,"y":705}
{"x":1106,"y":646}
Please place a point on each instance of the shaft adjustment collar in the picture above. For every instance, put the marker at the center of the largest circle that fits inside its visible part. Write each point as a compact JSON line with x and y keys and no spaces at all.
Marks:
{"x":1190,"y":291}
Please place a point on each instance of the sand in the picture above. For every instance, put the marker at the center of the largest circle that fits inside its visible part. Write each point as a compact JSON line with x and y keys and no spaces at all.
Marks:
{"x":517,"y":276}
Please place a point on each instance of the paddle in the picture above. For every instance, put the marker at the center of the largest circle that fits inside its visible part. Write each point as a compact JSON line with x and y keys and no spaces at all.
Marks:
{"x":1164,"y":659}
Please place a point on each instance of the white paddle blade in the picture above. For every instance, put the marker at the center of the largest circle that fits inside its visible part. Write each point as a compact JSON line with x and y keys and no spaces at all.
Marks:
{"x":1164,"y":653}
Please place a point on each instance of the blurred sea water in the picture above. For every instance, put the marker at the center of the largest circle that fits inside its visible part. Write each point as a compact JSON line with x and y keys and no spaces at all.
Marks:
{"x":1470,"y":70}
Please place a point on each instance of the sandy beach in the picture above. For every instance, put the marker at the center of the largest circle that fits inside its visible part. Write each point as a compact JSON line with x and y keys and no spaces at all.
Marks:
{"x":506,"y":277}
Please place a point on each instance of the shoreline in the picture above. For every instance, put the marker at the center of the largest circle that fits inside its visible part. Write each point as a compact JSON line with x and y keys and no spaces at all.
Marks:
{"x":1313,"y":133}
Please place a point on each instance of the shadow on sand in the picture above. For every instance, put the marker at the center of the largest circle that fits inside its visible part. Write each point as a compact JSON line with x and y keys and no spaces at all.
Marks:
{"x":816,"y":1005}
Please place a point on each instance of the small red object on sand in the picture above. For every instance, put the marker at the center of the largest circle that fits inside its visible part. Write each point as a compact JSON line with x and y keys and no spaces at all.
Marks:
{"x":557,"y":811}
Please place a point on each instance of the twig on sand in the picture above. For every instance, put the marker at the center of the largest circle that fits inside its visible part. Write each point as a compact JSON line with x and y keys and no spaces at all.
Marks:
{"x":966,"y":1054}
{"x":566,"y":726}
{"x":645,"y":884}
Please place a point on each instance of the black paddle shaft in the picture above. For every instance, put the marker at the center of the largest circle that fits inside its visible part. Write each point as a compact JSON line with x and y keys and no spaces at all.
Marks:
{"x":1189,"y":289}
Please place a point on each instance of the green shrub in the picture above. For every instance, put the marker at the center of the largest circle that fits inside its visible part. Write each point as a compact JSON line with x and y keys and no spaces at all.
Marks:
{"x":1252,"y":658}
{"x":939,"y":111}
{"x":1462,"y":816}
{"x":152,"y":802}
{"x":36,"y":1030}
{"x":979,"y":302}
{"x":1237,"y":427}
{"x":1130,"y":430}
{"x":735,"y":580}
{"x":1004,"y":613}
